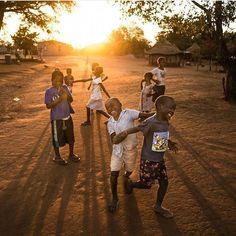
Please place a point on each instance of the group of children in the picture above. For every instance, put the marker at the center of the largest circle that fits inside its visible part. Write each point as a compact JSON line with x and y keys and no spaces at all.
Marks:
{"x":121,"y":128}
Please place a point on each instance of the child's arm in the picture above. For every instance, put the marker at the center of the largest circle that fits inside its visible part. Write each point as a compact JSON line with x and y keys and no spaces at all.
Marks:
{"x":82,"y":80}
{"x":55,"y":102}
{"x":117,"y":138}
{"x":105,"y":91}
{"x":105,"y":78}
{"x":141,"y":84}
{"x":144,"y":115}
{"x":173,"y":146}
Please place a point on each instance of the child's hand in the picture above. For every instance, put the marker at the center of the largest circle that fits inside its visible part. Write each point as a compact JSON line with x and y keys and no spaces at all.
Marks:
{"x":122,"y":135}
{"x":173,"y":146}
{"x":63,"y":94}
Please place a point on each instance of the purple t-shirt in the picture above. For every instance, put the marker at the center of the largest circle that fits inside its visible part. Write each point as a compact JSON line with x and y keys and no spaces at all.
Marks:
{"x":62,"y":109}
{"x":156,"y":135}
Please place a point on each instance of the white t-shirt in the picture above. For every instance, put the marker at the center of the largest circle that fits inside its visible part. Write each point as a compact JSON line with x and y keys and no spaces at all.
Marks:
{"x":96,"y":90}
{"x":159,"y":75}
{"x":125,"y":121}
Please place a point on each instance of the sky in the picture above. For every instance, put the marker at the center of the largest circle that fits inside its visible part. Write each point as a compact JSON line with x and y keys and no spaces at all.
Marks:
{"x":90,"y":22}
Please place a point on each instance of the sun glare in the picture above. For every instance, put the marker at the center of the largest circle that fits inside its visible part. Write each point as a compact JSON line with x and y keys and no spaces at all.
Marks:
{"x":91,"y":22}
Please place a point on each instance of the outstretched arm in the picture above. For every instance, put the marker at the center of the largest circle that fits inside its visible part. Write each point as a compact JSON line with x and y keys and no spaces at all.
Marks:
{"x":144,"y":115}
{"x":117,"y":138}
{"x":81,"y":80}
{"x":105,"y":91}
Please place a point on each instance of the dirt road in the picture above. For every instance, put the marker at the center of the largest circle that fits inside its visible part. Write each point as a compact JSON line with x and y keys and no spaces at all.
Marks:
{"x":38,"y":197}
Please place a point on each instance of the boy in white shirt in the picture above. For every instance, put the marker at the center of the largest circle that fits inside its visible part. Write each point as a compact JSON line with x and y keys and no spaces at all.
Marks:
{"x":159,"y":74}
{"x":123,"y":151}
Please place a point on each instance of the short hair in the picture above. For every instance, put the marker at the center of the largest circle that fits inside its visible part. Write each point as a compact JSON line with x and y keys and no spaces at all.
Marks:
{"x":68,"y":69}
{"x":113,"y":99}
{"x":99,"y":70}
{"x":148,"y":75}
{"x":161,"y":100}
{"x":160,"y":59}
{"x":56,"y":73}
{"x":94,"y":65}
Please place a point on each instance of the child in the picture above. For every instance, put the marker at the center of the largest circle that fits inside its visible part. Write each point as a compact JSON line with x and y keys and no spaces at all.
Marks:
{"x":159,"y":74}
{"x":94,"y":65}
{"x":146,"y":102}
{"x":95,"y":101}
{"x":58,"y":98}
{"x":156,"y":142}
{"x":123,"y":152}
{"x":69,"y":79}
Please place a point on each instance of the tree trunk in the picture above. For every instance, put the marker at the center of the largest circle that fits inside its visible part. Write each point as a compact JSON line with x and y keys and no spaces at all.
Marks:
{"x":222,"y":51}
{"x":2,"y":10}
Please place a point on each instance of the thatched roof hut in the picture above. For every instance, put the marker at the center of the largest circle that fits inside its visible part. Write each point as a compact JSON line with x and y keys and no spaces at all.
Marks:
{"x":194,"y":49}
{"x":167,"y":50}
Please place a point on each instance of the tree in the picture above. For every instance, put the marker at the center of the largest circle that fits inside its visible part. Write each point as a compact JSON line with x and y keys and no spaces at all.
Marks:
{"x":182,"y":32}
{"x":33,"y":12}
{"x":24,"y":39}
{"x":217,"y":14}
{"x":127,"y":40}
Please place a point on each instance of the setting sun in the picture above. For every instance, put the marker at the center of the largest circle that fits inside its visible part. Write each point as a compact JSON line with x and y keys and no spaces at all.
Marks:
{"x":92,"y":21}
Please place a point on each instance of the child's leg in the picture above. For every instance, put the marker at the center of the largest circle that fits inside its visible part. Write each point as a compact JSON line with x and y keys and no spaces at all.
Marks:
{"x":57,"y":152}
{"x":87,"y":122}
{"x":72,"y":156}
{"x":58,"y":158}
{"x":161,"y":192}
{"x":113,"y":182}
{"x":103,"y":113}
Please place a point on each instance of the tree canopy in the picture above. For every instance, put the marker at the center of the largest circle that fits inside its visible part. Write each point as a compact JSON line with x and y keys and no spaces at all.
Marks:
{"x":216,"y":15}
{"x":33,"y":12}
{"x":24,"y":39}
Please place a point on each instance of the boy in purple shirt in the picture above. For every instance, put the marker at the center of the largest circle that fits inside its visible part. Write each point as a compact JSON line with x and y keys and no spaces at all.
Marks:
{"x":156,"y":141}
{"x":58,"y":99}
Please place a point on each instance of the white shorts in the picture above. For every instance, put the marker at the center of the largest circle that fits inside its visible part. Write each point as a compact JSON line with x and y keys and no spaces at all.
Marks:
{"x":95,"y":104}
{"x":128,"y":159}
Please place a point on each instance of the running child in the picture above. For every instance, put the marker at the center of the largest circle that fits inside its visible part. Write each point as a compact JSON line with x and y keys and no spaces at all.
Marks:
{"x":58,"y":99}
{"x":95,"y":102}
{"x":156,"y":141}
{"x":122,"y":152}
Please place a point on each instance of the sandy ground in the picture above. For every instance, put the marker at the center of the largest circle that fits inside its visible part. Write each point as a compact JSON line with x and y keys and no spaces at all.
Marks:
{"x":38,"y":197}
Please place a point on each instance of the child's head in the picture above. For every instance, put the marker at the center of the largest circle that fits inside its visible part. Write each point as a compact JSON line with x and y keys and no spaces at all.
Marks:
{"x":160,"y":61}
{"x":148,"y":76}
{"x":165,"y":107}
{"x":94,"y":65}
{"x":98,"y":71}
{"x":57,"y":78}
{"x":68,"y":71}
{"x":114,"y":107}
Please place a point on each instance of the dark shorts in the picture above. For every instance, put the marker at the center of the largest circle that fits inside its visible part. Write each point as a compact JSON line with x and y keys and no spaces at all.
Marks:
{"x":158,"y":91}
{"x":62,"y":132}
{"x":151,"y":171}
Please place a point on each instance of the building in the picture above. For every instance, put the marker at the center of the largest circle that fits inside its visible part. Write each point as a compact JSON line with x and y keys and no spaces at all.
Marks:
{"x":54,"y":48}
{"x":165,"y":49}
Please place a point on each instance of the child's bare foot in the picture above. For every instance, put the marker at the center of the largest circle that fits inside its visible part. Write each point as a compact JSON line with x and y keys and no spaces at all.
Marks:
{"x":74,"y":158}
{"x":112,"y":207}
{"x":60,"y":160}
{"x":163,"y":212}
{"x":85,"y":123}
